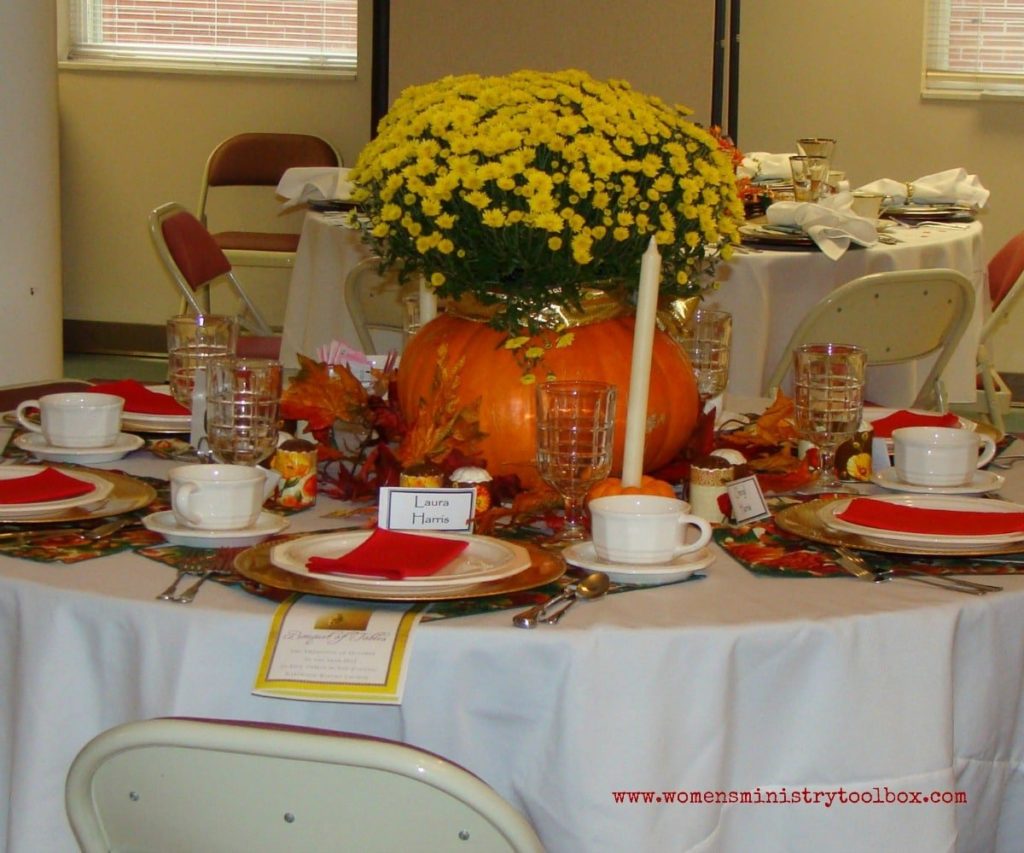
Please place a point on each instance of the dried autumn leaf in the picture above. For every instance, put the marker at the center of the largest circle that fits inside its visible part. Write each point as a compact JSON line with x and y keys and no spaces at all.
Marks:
{"x":773,"y":428}
{"x":322,"y":394}
{"x":442,"y":423}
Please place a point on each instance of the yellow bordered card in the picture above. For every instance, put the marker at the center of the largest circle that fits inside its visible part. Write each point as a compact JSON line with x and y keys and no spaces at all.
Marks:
{"x":333,"y":650}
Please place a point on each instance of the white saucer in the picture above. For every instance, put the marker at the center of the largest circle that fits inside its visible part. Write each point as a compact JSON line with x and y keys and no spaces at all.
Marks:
{"x":167,"y":526}
{"x":584,"y":556}
{"x":36,"y":444}
{"x":981,"y":482}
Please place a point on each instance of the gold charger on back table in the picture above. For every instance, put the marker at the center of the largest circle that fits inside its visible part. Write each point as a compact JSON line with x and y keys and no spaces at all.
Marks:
{"x":254,"y":565}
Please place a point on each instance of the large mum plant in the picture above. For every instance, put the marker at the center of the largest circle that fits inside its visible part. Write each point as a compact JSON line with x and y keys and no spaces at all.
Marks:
{"x":526,"y":189}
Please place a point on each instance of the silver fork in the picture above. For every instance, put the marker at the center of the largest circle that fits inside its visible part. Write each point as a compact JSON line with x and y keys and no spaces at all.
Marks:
{"x":949,"y":582}
{"x":190,"y":567}
{"x":221,"y":563}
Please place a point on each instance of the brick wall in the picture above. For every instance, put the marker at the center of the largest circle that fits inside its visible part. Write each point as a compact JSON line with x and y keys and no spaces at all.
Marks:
{"x":987,"y":36}
{"x":275,"y":23}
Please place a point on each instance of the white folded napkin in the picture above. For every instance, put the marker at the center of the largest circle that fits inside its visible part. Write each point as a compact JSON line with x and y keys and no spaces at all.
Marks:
{"x":830,"y":223}
{"x":953,"y":186}
{"x":313,"y":183}
{"x":762,"y":166}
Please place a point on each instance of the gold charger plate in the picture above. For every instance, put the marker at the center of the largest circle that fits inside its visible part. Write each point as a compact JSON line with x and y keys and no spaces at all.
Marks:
{"x":254,"y":565}
{"x":803,"y":520}
{"x":127,"y":495}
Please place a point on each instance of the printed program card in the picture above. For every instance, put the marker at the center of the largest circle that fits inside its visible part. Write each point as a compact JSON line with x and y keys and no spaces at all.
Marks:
{"x":337,"y":650}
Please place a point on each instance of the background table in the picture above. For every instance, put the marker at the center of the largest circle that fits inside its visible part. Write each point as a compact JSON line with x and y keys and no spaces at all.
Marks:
{"x":733,"y":683}
{"x":767,"y":292}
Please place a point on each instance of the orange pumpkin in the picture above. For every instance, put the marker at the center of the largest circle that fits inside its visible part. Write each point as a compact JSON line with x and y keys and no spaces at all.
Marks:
{"x":600,"y":351}
{"x":648,"y":486}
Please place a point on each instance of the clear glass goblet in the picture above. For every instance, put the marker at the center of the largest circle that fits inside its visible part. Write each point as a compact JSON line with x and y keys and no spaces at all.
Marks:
{"x":829,"y":401}
{"x":575,"y":429}
{"x":707,"y":338}
{"x":242,"y":404}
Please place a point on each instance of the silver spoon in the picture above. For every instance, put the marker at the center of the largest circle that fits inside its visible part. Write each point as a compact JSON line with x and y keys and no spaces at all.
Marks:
{"x":592,"y":586}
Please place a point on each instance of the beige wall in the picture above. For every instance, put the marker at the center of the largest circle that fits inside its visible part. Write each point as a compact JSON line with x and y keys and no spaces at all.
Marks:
{"x":130,"y":142}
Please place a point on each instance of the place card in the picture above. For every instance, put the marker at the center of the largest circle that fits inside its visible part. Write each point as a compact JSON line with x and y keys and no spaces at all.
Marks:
{"x":747,"y":499}
{"x":334,"y":650}
{"x":409,"y":508}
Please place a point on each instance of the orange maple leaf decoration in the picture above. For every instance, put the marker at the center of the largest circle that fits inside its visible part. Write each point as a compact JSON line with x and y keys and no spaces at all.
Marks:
{"x":321,"y":394}
{"x":442,"y":424}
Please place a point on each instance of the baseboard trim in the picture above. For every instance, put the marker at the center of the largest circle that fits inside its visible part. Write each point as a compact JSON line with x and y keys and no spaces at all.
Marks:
{"x":103,"y":338}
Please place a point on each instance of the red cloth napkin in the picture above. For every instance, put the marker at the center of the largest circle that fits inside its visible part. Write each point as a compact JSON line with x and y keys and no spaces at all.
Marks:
{"x":139,"y":399}
{"x":945,"y":522}
{"x":396,"y":556}
{"x":883,"y":427}
{"x":48,"y":485}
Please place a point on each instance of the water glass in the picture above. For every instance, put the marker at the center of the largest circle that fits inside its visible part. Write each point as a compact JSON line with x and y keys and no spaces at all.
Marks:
{"x":829,"y":401}
{"x":242,"y":403}
{"x":575,"y":431}
{"x":192,"y":342}
{"x":816,"y":146}
{"x":810,"y":177}
{"x":707,"y":338}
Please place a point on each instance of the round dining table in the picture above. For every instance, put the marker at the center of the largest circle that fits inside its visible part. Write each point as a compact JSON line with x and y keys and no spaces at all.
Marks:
{"x":767,"y":291}
{"x":732,"y":712}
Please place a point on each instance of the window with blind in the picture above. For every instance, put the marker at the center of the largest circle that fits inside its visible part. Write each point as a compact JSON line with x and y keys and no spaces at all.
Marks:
{"x":308,"y":36}
{"x":974,"y":49}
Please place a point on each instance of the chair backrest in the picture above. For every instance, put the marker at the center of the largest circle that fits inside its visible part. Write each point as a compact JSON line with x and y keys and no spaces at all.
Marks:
{"x":375,"y":301}
{"x":258,"y":160}
{"x":195,"y":262}
{"x":896,"y":316}
{"x":181,"y":784}
{"x":1005,"y":283}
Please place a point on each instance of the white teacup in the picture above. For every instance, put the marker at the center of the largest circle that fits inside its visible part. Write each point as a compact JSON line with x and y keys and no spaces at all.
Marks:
{"x":940,"y":456}
{"x":644,"y":529}
{"x":219,"y":497}
{"x":75,"y":419}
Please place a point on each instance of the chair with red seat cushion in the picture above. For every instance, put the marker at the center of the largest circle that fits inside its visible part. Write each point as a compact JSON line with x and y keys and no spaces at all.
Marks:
{"x":1005,"y":286}
{"x":258,"y":160}
{"x":196,"y":264}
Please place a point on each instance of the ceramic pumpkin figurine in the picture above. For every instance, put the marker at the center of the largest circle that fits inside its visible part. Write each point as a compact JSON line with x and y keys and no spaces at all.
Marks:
{"x":504,"y":371}
{"x":648,"y":486}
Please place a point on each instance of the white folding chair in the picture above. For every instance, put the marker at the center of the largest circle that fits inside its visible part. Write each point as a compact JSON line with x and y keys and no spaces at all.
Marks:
{"x":219,"y":786}
{"x":897,"y":317}
{"x":375,"y":302}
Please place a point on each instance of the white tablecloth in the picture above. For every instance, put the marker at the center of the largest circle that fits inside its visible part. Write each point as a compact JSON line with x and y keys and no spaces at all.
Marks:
{"x":735,"y":683}
{"x":767,"y":293}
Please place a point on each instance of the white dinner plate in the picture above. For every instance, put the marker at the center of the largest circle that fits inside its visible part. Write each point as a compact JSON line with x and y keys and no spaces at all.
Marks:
{"x":167,"y":526}
{"x":101,"y":488}
{"x":981,"y":482}
{"x":143,"y":421}
{"x":486,"y":559}
{"x":830,"y":511}
{"x":36,"y":444}
{"x":584,"y":556}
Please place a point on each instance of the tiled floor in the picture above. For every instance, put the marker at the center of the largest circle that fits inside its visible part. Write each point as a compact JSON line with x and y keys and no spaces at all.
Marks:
{"x":86,"y":366}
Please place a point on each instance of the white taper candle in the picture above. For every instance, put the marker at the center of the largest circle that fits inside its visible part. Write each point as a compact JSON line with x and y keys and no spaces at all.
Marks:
{"x":640,"y":371}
